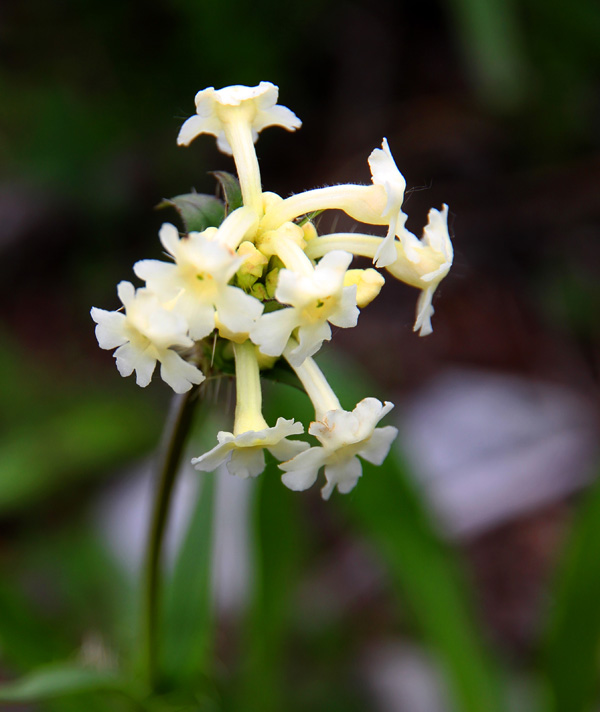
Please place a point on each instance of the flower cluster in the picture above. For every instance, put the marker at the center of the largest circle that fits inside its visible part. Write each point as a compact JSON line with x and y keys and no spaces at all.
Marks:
{"x":267,"y":283}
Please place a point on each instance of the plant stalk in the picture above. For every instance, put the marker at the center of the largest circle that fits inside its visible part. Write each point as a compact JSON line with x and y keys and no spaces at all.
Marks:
{"x":175,"y":434}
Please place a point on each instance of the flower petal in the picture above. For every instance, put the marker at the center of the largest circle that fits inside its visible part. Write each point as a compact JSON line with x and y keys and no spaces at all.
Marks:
{"x":193,"y":127}
{"x":377,"y":447}
{"x":155,"y":273}
{"x":209,"y":461}
{"x":126,"y":292}
{"x":343,"y":475}
{"x":179,"y":374}
{"x":247,"y":462}
{"x":129,"y":359}
{"x":287,"y":449}
{"x":425,"y":311}
{"x":301,"y":472}
{"x":169,"y":238}
{"x":347,"y":313}
{"x":110,"y":329}
{"x":272,"y":331}
{"x":310,"y":340}
{"x":237,"y":310}
{"x":293,"y":288}
{"x":277,"y":116}
{"x":386,"y":252}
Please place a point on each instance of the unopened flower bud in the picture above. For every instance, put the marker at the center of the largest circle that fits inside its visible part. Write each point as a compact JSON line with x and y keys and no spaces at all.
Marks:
{"x":253,"y":266}
{"x":309,"y":230}
{"x":368,"y":284}
{"x":271,"y":282}
{"x":269,"y":241}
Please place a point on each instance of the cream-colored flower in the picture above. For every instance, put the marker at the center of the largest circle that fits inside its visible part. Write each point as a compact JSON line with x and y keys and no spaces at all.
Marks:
{"x":316,"y":299}
{"x":197,"y":284}
{"x":419,"y":263}
{"x":244,"y":453}
{"x":144,"y":334}
{"x":343,"y":436}
{"x":424,"y":263}
{"x":236,"y":115}
{"x":216,"y":109}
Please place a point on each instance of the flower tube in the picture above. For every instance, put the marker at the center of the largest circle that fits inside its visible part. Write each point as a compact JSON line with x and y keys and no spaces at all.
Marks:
{"x":243,"y":449}
{"x":236,"y":115}
{"x":377,"y":204}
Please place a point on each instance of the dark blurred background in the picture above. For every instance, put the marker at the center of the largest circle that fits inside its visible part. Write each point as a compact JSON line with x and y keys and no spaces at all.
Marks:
{"x":490,"y":106}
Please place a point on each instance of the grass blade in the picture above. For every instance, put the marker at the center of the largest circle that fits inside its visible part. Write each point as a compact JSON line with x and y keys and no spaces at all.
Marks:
{"x":570,"y":652}
{"x":188,"y":599}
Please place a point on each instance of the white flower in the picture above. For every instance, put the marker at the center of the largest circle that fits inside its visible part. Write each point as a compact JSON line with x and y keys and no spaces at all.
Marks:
{"x":419,"y":263}
{"x":143,"y":335}
{"x":215,"y":109}
{"x":385,"y":173}
{"x":244,"y":453}
{"x":197,"y":284}
{"x":316,"y":301}
{"x":343,"y":435}
{"x":424,"y":263}
{"x":235,"y":115}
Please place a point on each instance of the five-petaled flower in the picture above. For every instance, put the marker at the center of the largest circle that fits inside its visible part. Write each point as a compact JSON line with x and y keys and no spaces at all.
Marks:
{"x":268,"y":286}
{"x":343,"y":436}
{"x":316,"y":299}
{"x":144,"y":334}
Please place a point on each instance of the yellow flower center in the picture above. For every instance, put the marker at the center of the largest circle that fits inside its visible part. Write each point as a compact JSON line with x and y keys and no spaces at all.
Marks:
{"x":319,"y":310}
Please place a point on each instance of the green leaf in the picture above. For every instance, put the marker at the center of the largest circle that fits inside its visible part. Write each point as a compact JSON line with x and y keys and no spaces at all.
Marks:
{"x":188,"y":600}
{"x":26,"y":637}
{"x":569,"y":666}
{"x":390,"y":511}
{"x":490,"y":33}
{"x":78,"y":439}
{"x":278,"y":553}
{"x":197,"y":210}
{"x":62,"y":680}
{"x":90,"y":591}
{"x":282,"y":373}
{"x":387,"y":507}
{"x":232,"y":192}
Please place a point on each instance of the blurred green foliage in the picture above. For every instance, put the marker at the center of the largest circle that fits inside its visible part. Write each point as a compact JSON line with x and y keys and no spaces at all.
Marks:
{"x":55,"y":436}
{"x":569,"y":666}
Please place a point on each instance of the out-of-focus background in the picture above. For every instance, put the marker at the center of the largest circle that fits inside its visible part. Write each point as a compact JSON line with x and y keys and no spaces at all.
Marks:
{"x":489,"y":106}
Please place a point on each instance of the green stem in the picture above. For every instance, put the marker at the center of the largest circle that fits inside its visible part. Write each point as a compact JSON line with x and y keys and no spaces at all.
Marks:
{"x":175,"y":435}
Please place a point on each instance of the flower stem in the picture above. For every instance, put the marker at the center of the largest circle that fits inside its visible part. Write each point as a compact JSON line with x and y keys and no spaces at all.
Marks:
{"x":175,"y":435}
{"x":248,"y":408}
